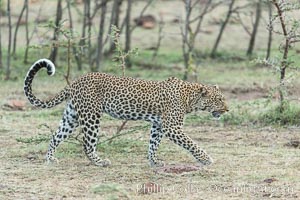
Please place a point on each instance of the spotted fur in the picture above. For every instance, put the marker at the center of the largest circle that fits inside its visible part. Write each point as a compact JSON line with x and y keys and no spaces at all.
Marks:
{"x":162,"y":103}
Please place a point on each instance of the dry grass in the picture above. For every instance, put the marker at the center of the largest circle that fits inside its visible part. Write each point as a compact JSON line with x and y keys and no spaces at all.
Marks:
{"x":246,"y":158}
{"x":250,"y":162}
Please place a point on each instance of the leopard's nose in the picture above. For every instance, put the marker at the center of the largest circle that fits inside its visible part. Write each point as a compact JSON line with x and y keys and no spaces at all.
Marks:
{"x":226,"y":108}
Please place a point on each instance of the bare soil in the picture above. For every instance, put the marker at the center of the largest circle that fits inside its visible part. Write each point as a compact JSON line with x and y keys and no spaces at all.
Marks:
{"x":250,"y":163}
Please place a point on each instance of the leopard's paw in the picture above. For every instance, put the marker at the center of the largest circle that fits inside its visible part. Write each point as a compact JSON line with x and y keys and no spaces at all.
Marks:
{"x":206,"y":161}
{"x":157,"y":163}
{"x":51,"y":160}
{"x":102,"y":163}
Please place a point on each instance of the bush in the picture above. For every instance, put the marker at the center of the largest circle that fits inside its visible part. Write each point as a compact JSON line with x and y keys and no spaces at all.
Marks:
{"x":289,"y":116}
{"x":262,"y":112}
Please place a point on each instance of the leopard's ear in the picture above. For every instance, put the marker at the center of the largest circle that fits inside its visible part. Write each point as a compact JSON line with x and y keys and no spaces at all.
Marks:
{"x":203,"y":91}
{"x":216,"y":86}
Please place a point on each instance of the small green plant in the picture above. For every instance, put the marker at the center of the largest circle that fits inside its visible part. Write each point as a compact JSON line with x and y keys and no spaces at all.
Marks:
{"x":39,"y":138}
{"x":133,"y":130}
{"x":111,"y":191}
{"x":34,"y":140}
{"x":288,"y":27}
{"x":120,"y":58}
{"x":257,"y":112}
{"x":262,"y":112}
{"x":245,"y":113}
{"x":70,"y":41}
{"x":289,"y":115}
{"x":120,"y":55}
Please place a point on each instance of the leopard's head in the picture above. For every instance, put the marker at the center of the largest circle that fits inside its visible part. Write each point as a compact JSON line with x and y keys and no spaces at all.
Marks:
{"x":211,"y":99}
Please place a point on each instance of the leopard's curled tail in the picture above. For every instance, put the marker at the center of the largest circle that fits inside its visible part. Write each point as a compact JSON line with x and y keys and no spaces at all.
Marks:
{"x":60,"y":97}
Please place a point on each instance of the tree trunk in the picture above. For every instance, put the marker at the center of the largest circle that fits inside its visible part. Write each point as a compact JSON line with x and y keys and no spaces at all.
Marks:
{"x":185,"y":39}
{"x":89,"y":32}
{"x":83,"y":32}
{"x":100,"y":36}
{"x":84,"y":23}
{"x":160,"y":37}
{"x":255,"y":28}
{"x":270,"y":37}
{"x":26,"y":34}
{"x":128,"y":33}
{"x":1,"y":57}
{"x":114,"y":20}
{"x":284,"y":62}
{"x":188,"y":35}
{"x":7,"y":73}
{"x":214,"y":51}
{"x":75,"y":52}
{"x":25,"y":5}
{"x":29,"y":37}
{"x":54,"y":51}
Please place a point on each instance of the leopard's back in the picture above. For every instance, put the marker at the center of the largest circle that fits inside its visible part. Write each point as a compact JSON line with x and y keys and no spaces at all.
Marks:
{"x":121,"y":97}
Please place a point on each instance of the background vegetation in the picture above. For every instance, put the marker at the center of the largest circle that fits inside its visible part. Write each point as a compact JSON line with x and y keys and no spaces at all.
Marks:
{"x":248,"y":47}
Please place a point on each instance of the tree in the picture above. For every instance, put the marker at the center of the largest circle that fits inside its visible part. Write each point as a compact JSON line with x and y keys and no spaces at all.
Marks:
{"x":288,"y":28}
{"x":34,"y":32}
{"x":1,"y":57}
{"x":161,"y":25}
{"x":89,"y":31}
{"x":54,"y":50}
{"x":230,"y":10}
{"x":25,"y":7}
{"x":290,"y":36}
{"x":114,"y":21}
{"x":7,"y":73}
{"x":270,"y":35}
{"x":188,"y":35}
{"x":255,"y":28}
{"x":75,"y":51}
{"x":128,"y":32}
{"x":99,"y":55}
{"x":26,"y":33}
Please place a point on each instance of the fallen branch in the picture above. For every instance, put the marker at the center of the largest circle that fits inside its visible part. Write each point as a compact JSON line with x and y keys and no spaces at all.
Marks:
{"x":109,"y":140}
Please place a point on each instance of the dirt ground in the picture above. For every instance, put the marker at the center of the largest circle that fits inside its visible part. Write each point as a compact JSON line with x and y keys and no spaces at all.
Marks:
{"x":249,"y":162}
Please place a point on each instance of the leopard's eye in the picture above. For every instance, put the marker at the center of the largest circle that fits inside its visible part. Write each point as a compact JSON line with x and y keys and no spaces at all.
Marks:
{"x":218,"y":98}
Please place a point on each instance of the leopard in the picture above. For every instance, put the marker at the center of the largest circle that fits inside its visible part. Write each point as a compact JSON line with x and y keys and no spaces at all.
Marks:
{"x":162,"y":103}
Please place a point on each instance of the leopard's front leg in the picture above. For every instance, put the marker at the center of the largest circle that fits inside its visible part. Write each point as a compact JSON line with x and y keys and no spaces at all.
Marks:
{"x":176,"y":135}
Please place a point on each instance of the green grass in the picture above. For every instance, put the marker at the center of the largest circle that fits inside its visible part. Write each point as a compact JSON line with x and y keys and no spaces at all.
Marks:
{"x":248,"y":144}
{"x":111,"y":191}
{"x":261,"y":112}
{"x":239,"y":144}
{"x":122,"y":145}
{"x":289,"y":116}
{"x":34,"y":140}
{"x":228,"y":73}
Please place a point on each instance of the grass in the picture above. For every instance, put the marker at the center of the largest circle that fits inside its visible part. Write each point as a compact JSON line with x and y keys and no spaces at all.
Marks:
{"x":245,"y":142}
{"x":289,"y":116}
{"x":242,"y":153}
{"x":111,"y":191}
{"x":260,"y":112}
{"x":248,"y":144}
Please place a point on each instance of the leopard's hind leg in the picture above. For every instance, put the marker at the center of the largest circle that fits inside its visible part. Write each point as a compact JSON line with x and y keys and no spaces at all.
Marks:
{"x":156,"y":135}
{"x":67,"y":126}
{"x":90,"y":126}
